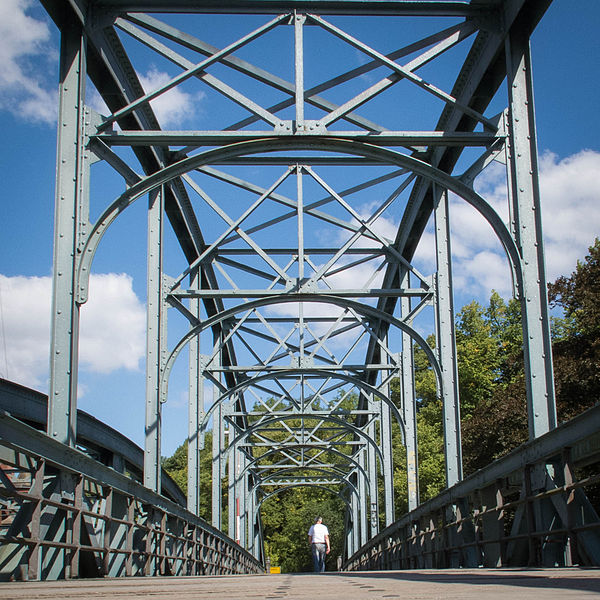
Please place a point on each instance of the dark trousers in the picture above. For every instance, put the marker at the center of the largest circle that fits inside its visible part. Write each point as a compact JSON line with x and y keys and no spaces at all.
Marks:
{"x":319,"y":552}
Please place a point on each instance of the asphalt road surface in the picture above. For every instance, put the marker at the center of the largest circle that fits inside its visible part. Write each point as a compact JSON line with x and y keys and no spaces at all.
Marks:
{"x":463,"y":584}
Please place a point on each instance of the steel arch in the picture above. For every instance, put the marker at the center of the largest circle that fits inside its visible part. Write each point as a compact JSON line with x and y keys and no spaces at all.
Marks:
{"x":383,"y":155}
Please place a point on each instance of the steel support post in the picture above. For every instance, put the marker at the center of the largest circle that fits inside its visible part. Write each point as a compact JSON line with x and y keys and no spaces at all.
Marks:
{"x":385,"y":434}
{"x":446,"y":342}
{"x":195,"y":410}
{"x":348,"y":542}
{"x":71,"y":215}
{"x":372,"y":474}
{"x":362,"y":506}
{"x":299,"y":20}
{"x":526,"y":210}
{"x":354,"y":542}
{"x":156,"y":314}
{"x":231,"y":486}
{"x":256,"y":533}
{"x":409,"y":409}
{"x":492,"y":525}
{"x":241,"y":495}
{"x":250,"y":517}
{"x":217,"y":469}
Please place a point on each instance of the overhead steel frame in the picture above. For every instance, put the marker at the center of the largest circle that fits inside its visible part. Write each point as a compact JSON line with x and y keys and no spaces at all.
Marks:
{"x":271,"y":321}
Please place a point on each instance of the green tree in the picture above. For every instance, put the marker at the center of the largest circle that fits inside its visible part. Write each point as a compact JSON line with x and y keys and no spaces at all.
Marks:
{"x":176,"y":466}
{"x":499,"y":424}
{"x":425,"y":383}
{"x":477,"y":357}
{"x":576,"y":346}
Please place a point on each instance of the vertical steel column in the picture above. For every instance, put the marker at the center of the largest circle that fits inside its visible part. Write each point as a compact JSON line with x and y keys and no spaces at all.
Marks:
{"x":71,"y":213}
{"x":242,"y":495}
{"x":355,"y":540}
{"x":195,"y":409}
{"x":446,"y":342}
{"x":217,"y":468}
{"x":250,"y":517}
{"x":348,"y":549}
{"x":362,"y":505}
{"x":231,"y":485}
{"x":492,"y":525}
{"x":409,"y":409}
{"x":523,"y":171}
{"x":372,"y":473}
{"x":385,"y":436}
{"x":299,"y":20}
{"x":156,"y":314}
{"x":255,"y":531}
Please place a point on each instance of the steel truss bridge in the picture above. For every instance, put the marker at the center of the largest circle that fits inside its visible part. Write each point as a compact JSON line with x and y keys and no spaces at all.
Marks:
{"x":282,"y":228}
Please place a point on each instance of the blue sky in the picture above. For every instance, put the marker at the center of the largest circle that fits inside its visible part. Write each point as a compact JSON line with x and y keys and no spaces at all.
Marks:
{"x":566,"y":52}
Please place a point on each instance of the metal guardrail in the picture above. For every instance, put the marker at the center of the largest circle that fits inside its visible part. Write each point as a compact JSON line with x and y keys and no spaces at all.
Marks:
{"x":525,"y":509}
{"x":97,"y":439}
{"x":65,"y":515}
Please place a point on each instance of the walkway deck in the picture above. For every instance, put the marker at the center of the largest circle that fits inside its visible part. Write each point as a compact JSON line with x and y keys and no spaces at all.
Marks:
{"x":512,"y":584}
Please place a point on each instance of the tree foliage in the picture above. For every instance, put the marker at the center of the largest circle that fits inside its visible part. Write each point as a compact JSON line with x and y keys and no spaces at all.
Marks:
{"x":577,"y":336}
{"x":176,"y":466}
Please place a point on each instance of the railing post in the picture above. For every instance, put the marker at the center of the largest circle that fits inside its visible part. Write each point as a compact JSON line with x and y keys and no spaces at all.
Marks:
{"x":492,"y":525}
{"x":130,"y":535}
{"x":106,"y":538}
{"x":75,"y":529}
{"x":571,"y":550}
{"x":35,"y":558}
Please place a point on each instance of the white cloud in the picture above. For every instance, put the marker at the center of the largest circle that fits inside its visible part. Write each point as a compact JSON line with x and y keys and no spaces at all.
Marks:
{"x":112,"y":327}
{"x":570,"y":190}
{"x":29,"y":72}
{"x":570,"y":198}
{"x":172,"y":108}
{"x":24,"y":43}
{"x":25,"y":328}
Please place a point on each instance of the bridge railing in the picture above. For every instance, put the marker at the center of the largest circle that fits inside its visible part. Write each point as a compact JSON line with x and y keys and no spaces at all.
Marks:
{"x":65,"y":515}
{"x":529,"y":508}
{"x":98,"y":439}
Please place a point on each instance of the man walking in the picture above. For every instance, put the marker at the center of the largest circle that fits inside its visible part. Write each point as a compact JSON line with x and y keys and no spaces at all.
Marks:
{"x":318,"y":538}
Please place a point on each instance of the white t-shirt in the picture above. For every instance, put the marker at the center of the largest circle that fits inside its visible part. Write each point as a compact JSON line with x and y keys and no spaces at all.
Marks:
{"x":317,"y":532}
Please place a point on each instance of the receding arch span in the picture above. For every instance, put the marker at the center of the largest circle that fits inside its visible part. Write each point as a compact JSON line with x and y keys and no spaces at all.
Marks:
{"x":338,"y":474}
{"x":315,"y":485}
{"x":362,"y":309}
{"x":294,"y":372}
{"x":348,"y":457}
{"x":343,"y":424}
{"x":290,"y":143}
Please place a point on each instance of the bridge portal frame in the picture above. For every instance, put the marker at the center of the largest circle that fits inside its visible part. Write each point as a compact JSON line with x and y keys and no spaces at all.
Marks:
{"x":90,"y":47}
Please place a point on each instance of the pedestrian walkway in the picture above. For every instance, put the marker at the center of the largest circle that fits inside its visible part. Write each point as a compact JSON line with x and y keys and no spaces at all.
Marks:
{"x":464,"y":584}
